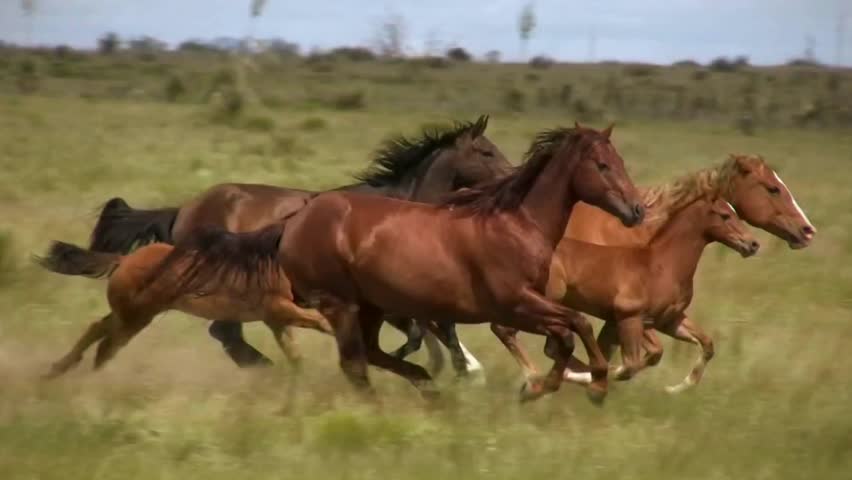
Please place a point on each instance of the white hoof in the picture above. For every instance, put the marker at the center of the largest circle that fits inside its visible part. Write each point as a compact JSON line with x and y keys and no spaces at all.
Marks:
{"x":686,"y":384}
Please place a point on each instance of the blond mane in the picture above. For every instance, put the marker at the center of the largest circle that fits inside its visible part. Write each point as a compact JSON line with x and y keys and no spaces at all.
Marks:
{"x":664,"y":200}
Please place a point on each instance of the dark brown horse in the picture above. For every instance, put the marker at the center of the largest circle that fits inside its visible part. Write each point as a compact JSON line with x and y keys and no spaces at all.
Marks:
{"x":423,"y":170}
{"x":481,"y":257}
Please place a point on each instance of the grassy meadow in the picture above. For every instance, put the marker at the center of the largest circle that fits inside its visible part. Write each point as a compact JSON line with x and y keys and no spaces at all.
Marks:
{"x":77,"y":130}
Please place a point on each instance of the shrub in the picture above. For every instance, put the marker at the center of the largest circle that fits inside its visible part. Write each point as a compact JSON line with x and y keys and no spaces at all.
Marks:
{"x":700,"y":75}
{"x":355,"y":54}
{"x":492,"y":56}
{"x":686,"y":63}
{"x":726,"y":65}
{"x":459,"y":54}
{"x":174,"y":88}
{"x":640,"y":70}
{"x":541,"y":61}
{"x":228,"y":105}
{"x":313,"y":124}
{"x":7,"y":261}
{"x":259,"y":123}
{"x":27,"y":78}
{"x":349,"y":101}
{"x":565,"y":94}
{"x":432,"y":61}
{"x":513,"y":99}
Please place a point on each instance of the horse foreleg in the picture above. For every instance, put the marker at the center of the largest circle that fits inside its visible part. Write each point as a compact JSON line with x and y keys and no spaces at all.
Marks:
{"x":630,"y":335}
{"x":508,"y":336}
{"x":686,"y":330}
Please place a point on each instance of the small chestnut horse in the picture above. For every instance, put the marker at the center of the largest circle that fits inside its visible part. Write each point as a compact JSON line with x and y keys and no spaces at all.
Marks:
{"x":481,"y":257}
{"x":143,"y":285}
{"x":635,"y":288}
{"x":423,"y":169}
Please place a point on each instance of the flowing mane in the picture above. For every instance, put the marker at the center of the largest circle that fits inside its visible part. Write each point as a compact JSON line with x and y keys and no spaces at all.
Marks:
{"x":508,"y":192}
{"x":664,"y":200}
{"x":400,"y":155}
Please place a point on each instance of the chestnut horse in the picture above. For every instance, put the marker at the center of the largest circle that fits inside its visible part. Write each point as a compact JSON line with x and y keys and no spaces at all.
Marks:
{"x":636,"y":288}
{"x":483,"y":256}
{"x":424,"y":170}
{"x":747,"y":182}
{"x":143,"y":285}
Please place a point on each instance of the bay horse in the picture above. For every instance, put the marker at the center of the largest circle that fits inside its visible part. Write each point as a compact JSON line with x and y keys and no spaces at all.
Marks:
{"x":482,"y":256}
{"x":423,"y":169}
{"x":747,"y":182}
{"x":143,"y":284}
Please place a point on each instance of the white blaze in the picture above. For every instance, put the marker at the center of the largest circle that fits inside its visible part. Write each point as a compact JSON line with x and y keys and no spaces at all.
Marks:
{"x":795,"y":204}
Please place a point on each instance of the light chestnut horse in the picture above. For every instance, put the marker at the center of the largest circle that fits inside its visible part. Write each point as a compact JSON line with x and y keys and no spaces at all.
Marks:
{"x":144,"y":283}
{"x":636,"y":288}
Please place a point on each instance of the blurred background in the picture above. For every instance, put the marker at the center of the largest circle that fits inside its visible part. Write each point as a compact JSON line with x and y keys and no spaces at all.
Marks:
{"x":156,"y":101}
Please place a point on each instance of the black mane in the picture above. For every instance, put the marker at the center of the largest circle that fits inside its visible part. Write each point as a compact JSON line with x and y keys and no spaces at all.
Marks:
{"x":401,"y":155}
{"x":508,"y":192}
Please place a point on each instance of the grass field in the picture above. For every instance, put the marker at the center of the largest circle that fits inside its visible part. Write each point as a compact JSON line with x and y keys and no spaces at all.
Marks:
{"x":773,"y":405}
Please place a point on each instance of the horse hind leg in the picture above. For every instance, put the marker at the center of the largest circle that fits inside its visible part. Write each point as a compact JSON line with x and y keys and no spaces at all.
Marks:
{"x":119,"y":331}
{"x":230,"y":335}
{"x":686,"y":330}
{"x":94,"y":332}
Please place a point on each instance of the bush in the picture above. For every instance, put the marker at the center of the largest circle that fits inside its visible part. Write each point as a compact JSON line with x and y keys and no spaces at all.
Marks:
{"x":640,"y":70}
{"x":349,"y":101}
{"x":542,"y":62}
{"x":7,"y":260}
{"x":228,"y":105}
{"x":700,"y":75}
{"x":432,"y":61}
{"x":513,"y":99}
{"x":313,"y":124}
{"x":259,"y":123}
{"x":686,"y":63}
{"x":27,"y":78}
{"x":565,"y":94}
{"x":60,"y":70}
{"x":174,"y":88}
{"x":726,"y":65}
{"x":354,"y":54}
{"x":458,"y":54}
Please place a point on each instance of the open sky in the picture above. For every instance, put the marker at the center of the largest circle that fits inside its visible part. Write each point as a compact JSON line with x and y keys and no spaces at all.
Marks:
{"x":661,"y":31}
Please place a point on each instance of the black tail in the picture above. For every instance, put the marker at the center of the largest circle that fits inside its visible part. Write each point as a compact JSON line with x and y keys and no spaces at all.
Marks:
{"x":214,"y":259}
{"x":121,"y":228}
{"x":70,"y":259}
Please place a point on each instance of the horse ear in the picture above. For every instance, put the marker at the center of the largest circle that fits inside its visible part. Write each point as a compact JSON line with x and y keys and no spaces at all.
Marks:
{"x":608,"y":131}
{"x":740,"y":162}
{"x":480,"y":126}
{"x":577,"y":125}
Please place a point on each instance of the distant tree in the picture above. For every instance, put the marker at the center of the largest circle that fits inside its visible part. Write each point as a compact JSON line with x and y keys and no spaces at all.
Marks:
{"x":108,"y":43}
{"x":146,"y":44}
{"x":390,"y":37}
{"x":459,"y":54}
{"x":492,"y":56}
{"x":526,"y":26}
{"x":29,"y":8}
{"x":283,"y":48}
{"x":257,"y":7}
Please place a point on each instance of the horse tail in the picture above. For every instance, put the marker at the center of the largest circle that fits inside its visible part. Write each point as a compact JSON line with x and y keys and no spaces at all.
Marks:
{"x":212,"y":258}
{"x":121,"y":228}
{"x":69,"y":259}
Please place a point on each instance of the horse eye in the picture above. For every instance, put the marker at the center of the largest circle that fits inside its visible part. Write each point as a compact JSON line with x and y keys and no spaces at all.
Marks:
{"x":603,"y":167}
{"x":487,"y":153}
{"x":726,"y":216}
{"x":773,"y":190}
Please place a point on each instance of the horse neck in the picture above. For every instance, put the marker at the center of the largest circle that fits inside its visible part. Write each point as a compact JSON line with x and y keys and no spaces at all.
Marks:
{"x":678,"y":245}
{"x":550,"y":200}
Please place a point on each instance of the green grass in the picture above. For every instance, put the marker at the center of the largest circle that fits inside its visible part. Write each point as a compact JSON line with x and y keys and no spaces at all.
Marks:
{"x":774,"y":403}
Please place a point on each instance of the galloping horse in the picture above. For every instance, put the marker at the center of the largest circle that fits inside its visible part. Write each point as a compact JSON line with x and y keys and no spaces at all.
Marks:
{"x":747,"y":182}
{"x":483,"y":256}
{"x":422,"y":170}
{"x":143,"y":285}
{"x":636,"y":288}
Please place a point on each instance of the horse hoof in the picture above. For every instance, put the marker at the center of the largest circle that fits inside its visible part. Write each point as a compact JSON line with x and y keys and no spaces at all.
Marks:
{"x":530,"y":391}
{"x":596,"y":395}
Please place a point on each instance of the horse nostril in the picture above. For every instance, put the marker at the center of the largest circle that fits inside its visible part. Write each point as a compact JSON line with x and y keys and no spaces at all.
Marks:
{"x":808,"y":231}
{"x":754,"y":246}
{"x":638,"y":210}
